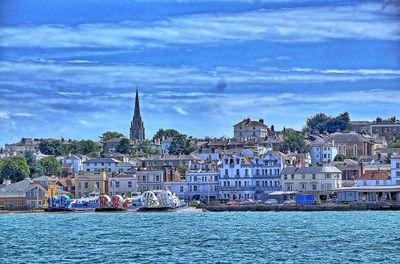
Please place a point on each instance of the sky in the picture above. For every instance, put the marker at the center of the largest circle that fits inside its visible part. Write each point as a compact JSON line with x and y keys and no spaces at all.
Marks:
{"x":69,"y":68}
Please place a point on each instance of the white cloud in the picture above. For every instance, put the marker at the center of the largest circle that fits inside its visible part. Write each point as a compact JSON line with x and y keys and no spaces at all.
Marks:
{"x":45,"y":76}
{"x":23,"y":114}
{"x":180,"y":110}
{"x":370,"y":20}
{"x":85,"y":123}
{"x":4,"y":116}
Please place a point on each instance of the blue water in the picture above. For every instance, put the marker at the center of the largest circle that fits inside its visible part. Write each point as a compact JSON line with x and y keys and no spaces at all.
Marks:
{"x":191,"y":237}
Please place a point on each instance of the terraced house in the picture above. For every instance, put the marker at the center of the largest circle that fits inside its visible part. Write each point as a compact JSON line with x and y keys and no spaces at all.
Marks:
{"x":319,"y":181}
{"x":244,"y":177}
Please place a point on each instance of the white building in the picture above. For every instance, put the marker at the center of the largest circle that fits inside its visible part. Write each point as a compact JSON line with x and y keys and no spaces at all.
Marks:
{"x":122,"y":184}
{"x":197,"y":185}
{"x":148,"y":180}
{"x":323,"y":153}
{"x":395,"y":169}
{"x":320,"y":181}
{"x":106,"y":164}
{"x":72,"y":164}
{"x":244,"y":178}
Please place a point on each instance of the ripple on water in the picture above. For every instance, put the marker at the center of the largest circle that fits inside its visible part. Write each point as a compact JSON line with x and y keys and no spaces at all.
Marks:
{"x":242,"y":237}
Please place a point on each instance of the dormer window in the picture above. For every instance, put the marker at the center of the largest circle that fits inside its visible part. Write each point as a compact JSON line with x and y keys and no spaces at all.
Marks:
{"x":226,"y":161}
{"x":237,"y":161}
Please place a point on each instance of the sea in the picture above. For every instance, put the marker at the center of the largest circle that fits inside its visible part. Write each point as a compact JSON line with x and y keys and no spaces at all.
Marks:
{"x":201,"y":237}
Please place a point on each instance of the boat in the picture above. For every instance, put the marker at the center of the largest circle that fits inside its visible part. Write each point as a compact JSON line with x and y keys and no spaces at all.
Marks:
{"x":160,"y":201}
{"x":116,"y":204}
{"x":86,"y":203}
{"x":60,"y":203}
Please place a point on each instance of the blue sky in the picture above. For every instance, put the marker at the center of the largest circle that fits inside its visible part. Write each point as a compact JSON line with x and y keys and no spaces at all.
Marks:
{"x":69,"y":68}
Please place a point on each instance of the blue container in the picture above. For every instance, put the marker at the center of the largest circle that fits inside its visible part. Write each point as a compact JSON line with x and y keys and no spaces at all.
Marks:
{"x":304,"y":199}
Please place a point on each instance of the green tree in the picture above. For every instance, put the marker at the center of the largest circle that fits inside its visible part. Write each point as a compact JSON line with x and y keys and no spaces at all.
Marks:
{"x":14,"y":168}
{"x":339,"y":157}
{"x":388,"y":159}
{"x":395,"y":144}
{"x":321,"y":123}
{"x":166,"y":133}
{"x":109,"y":135}
{"x":294,"y":141}
{"x":51,"y":166}
{"x":35,"y":168}
{"x":181,"y":145}
{"x":124,"y":146}
{"x":182,"y":170}
{"x":82,"y":147}
{"x":53,"y":147}
{"x":144,"y":147}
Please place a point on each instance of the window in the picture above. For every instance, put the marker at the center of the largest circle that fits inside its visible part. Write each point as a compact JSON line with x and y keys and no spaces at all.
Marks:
{"x":237,"y":172}
{"x":226,"y":172}
{"x":144,"y":178}
{"x":129,"y":184}
{"x":195,"y":188}
{"x":355,"y":151}
{"x":157,"y":177}
{"x":292,"y":176}
{"x":303,"y":176}
{"x":313,"y":176}
{"x":398,"y":165}
{"x":80,"y":185}
{"x":314,"y":186}
{"x":328,"y":176}
{"x":97,"y":184}
{"x":86,"y":185}
{"x":226,"y":161}
{"x":303,"y":186}
{"x":117,"y":184}
{"x":194,"y":178}
{"x":397,"y":173}
{"x":237,"y":161}
{"x":285,"y":176}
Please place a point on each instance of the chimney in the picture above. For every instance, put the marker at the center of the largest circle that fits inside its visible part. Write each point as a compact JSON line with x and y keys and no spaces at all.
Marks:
{"x":362,"y":170}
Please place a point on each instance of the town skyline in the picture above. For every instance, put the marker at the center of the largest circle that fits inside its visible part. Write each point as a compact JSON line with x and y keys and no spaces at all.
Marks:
{"x":71,"y":73}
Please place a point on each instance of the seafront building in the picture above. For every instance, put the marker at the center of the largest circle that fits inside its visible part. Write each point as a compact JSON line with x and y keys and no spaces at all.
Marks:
{"x":122,"y":184}
{"x":150,"y":179}
{"x":197,"y":185}
{"x":318,"y":181}
{"x":87,"y":182}
{"x":243,"y":177}
{"x":395,"y":169}
{"x":24,"y":194}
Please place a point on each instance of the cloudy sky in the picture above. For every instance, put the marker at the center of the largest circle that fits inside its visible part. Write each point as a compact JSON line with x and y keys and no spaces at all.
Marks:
{"x":69,"y":68}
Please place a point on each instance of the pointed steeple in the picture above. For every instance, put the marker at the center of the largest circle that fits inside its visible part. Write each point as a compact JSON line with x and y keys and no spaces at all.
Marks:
{"x":137,"y":106}
{"x":137,"y":126}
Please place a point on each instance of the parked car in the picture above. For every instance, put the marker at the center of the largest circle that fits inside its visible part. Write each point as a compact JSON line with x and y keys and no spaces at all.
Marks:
{"x":230,"y":203}
{"x":271,"y":201}
{"x":289,"y":202}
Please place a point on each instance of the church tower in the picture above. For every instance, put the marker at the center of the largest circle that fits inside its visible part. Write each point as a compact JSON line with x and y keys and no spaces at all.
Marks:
{"x":137,"y":127}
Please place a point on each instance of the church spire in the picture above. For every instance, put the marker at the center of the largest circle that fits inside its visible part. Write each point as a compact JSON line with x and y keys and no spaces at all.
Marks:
{"x":137,"y":126}
{"x":137,"y":106}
